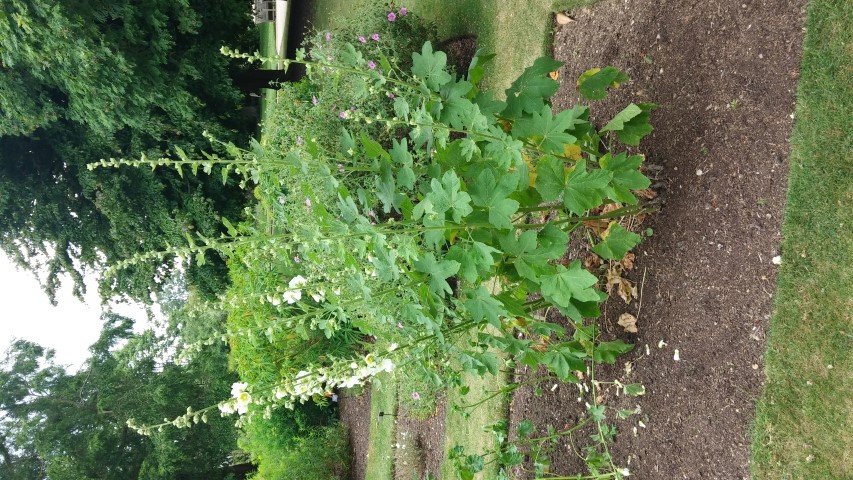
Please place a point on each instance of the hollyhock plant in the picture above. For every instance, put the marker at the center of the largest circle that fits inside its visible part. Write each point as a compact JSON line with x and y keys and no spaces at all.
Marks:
{"x":392,"y":17}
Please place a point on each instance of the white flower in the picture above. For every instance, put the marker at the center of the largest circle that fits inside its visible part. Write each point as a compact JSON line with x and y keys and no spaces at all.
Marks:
{"x":292,"y":296}
{"x":337,"y":291}
{"x":238,"y":388}
{"x":319,"y":296}
{"x":369,"y":359}
{"x":243,"y":401}
{"x":625,"y":472}
{"x":297,"y":282}
{"x":351,"y":382}
{"x":387,"y":365}
{"x":226,"y":408}
{"x":392,"y":347}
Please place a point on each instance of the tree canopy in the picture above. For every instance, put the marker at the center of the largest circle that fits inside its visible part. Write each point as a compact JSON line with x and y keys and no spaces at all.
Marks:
{"x":74,"y":426}
{"x":85,"y":80}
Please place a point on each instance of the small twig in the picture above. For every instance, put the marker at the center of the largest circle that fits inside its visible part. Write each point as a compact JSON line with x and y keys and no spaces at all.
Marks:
{"x":642,"y":284}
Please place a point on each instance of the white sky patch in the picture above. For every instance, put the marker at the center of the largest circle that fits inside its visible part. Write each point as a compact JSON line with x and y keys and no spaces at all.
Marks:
{"x":69,"y":328}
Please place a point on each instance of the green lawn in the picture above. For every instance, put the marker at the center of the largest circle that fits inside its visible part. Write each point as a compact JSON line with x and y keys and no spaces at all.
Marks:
{"x":519,"y":31}
{"x":380,"y":453}
{"x":804,"y":421}
{"x":267,"y":49}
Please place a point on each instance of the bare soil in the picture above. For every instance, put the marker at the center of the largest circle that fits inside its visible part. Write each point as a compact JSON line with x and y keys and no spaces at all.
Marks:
{"x":723,"y":74}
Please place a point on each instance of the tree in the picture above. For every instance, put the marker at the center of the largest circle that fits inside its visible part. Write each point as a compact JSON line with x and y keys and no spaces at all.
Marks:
{"x":74,"y":426}
{"x":86,"y":80}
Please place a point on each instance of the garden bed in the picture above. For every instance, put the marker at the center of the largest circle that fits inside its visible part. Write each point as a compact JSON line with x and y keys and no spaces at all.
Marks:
{"x":724,"y":77}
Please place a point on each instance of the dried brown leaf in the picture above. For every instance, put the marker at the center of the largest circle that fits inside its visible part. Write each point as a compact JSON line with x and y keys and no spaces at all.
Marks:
{"x":592,"y":261}
{"x":628,"y":322}
{"x":628,"y":261}
{"x":646,"y":194}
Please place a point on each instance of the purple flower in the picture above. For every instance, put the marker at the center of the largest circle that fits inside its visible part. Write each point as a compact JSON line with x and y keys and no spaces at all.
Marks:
{"x":362,"y":39}
{"x":391,"y":95}
{"x":403,"y":11}
{"x":371,"y":65}
{"x":416,"y":396}
{"x":344,"y":114}
{"x":314,"y":100}
{"x":328,"y":36}
{"x":375,"y":37}
{"x":297,"y":259}
{"x":392,"y":16}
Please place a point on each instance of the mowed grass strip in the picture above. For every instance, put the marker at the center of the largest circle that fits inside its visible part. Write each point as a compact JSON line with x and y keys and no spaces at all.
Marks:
{"x":804,"y":420}
{"x":380,"y":450}
{"x":266,"y":47}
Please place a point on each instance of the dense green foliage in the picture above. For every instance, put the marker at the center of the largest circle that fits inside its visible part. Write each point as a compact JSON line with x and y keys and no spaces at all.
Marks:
{"x":425,"y":239}
{"x":81,"y":81}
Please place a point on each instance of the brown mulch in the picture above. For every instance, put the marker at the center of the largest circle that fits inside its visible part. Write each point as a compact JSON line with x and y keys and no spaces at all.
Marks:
{"x":355,"y":415}
{"x":724,"y":75}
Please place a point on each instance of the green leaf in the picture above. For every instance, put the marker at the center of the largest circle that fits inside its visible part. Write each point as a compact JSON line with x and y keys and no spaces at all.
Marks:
{"x":386,"y":190}
{"x":568,"y":283}
{"x":585,"y":190}
{"x":616,"y":242}
{"x":372,"y":148}
{"x":632,"y":123}
{"x":438,"y":273}
{"x":593,"y":84}
{"x":347,"y":143}
{"x":528,"y":93}
{"x":525,"y":428}
{"x":456,"y":106}
{"x":482,"y":305}
{"x":634,"y":389}
{"x":550,"y":177}
{"x":553,"y":242}
{"x":562,"y":361}
{"x":476,"y":70}
{"x":229,"y":227}
{"x":545,"y":130}
{"x":429,"y":66}
{"x":491,"y":194}
{"x":626,"y":176}
{"x":606,"y":352}
{"x":447,"y":195}
{"x":475,"y":258}
{"x":401,"y":108}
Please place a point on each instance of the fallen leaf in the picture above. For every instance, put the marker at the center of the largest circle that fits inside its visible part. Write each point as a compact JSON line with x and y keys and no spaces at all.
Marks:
{"x":628,"y":322}
{"x":610,"y":207}
{"x":646,"y":193}
{"x":554,"y":75}
{"x":628,"y":261}
{"x":564,"y":19}
{"x":597,"y":226}
{"x":626,"y":290}
{"x":591,"y":261}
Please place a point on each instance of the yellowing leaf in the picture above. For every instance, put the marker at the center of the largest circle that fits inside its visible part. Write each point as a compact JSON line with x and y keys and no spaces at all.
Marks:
{"x":628,"y":322}
{"x":554,"y":75}
{"x":572,"y":151}
{"x":531,"y":168}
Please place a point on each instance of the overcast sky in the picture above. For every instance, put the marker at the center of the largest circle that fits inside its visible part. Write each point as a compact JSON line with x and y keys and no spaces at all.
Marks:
{"x":69,"y":328}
